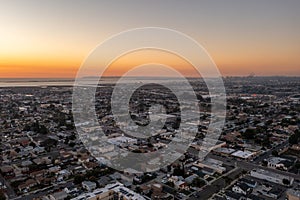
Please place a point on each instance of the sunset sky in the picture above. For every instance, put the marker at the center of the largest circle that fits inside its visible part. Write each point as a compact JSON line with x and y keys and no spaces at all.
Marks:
{"x":52,"y":38}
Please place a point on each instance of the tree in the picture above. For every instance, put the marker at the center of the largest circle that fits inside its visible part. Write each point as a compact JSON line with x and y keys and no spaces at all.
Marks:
{"x":43,"y":130}
{"x":264,"y":163}
{"x":138,"y":190}
{"x":72,"y":144}
{"x":78,"y":179}
{"x":275,"y":153}
{"x":2,"y":196}
{"x":249,"y":134}
{"x":169,"y":168}
{"x":171,"y":184}
{"x":197,"y":182}
{"x":293,"y":139}
{"x":286,"y":181}
{"x":297,"y":165}
{"x":178,"y":171}
{"x":32,"y":144}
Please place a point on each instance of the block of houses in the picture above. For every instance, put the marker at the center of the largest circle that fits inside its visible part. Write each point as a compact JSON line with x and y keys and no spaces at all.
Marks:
{"x":241,"y":188}
{"x":89,"y":185}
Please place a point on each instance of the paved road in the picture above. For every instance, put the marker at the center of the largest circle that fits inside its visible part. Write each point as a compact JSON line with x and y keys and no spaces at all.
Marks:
{"x":250,"y":166}
{"x":209,"y":190}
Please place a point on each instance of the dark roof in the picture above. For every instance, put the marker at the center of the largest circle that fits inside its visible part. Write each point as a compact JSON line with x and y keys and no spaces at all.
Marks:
{"x":243,"y":186}
{"x":275,"y":191}
{"x":286,"y":163}
{"x":232,"y":195}
{"x":254,"y":197}
{"x":209,"y":170}
{"x":248,"y":181}
{"x":104,"y":180}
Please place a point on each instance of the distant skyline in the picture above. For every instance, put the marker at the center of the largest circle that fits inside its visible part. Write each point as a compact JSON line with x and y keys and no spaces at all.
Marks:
{"x":50,"y":39}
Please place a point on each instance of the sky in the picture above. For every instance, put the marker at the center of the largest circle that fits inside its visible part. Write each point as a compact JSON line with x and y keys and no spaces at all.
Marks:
{"x":40,"y":38}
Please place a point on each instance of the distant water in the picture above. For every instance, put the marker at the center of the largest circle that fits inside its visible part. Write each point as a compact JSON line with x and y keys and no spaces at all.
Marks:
{"x":27,"y":82}
{"x":40,"y":82}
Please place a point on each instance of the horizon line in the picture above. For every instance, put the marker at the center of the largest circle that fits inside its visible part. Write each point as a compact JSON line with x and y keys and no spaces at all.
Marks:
{"x":225,"y":76}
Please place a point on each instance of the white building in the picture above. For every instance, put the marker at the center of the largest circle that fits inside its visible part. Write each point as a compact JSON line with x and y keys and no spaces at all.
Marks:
{"x":241,"y":188}
{"x":111,"y":191}
{"x":122,"y":140}
{"x":88,"y":185}
{"x":277,"y":162}
{"x":245,"y":155}
{"x":271,"y":177}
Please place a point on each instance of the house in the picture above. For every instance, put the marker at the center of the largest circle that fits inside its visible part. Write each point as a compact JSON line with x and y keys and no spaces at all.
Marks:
{"x":39,"y":150}
{"x":234,"y":196}
{"x":241,"y":188}
{"x":145,"y":189}
{"x":180,"y":184}
{"x":279,"y":163}
{"x":26,"y":163}
{"x":90,"y":165}
{"x":27,"y":185}
{"x":54,"y":169}
{"x":157,"y":193}
{"x":7,"y":171}
{"x":88,"y":185}
{"x":275,"y":193}
{"x":79,"y":170}
{"x":115,"y":176}
{"x":71,"y":190}
{"x":39,"y":173}
{"x":190,"y":179}
{"x":58,"y":195}
{"x":162,"y":196}
{"x":103,"y":181}
{"x":250,"y":183}
{"x":271,"y":192}
{"x":64,"y":173}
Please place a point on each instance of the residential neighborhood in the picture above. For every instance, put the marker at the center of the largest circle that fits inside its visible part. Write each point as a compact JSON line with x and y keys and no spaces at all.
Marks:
{"x":255,"y":157}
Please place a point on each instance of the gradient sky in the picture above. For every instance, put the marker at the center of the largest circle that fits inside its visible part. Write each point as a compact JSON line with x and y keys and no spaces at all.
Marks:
{"x":52,"y":38}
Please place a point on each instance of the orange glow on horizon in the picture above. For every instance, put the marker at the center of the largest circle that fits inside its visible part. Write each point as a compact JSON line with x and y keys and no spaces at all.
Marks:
{"x":134,"y":59}
{"x":61,"y":66}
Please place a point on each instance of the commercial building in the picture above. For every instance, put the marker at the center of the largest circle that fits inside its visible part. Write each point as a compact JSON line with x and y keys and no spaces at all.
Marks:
{"x":210,"y":163}
{"x":279,"y":163}
{"x":272,"y":177}
{"x":245,"y":155}
{"x":111,"y":191}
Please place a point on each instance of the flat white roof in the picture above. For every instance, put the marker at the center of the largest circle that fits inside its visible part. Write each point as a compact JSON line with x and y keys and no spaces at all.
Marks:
{"x":272,"y":174}
{"x":225,"y":150}
{"x":116,"y":187}
{"x":242,"y":154}
{"x":275,"y":160}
